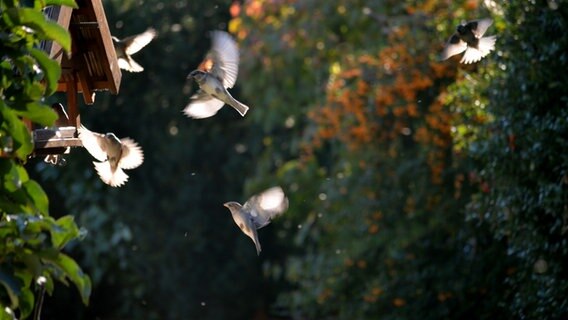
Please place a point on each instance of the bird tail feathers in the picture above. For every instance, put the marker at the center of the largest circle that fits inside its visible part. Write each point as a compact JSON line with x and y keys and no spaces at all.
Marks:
{"x":114,"y":179}
{"x":241,"y":108}
{"x":129,"y":64}
{"x":257,"y":244}
{"x":485,"y":46}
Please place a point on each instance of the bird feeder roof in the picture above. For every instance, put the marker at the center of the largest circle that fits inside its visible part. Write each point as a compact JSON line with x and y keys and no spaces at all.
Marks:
{"x":92,"y":64}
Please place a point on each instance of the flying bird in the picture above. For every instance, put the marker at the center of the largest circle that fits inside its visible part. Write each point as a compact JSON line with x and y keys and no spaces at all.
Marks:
{"x":217,"y":72}
{"x":469,"y":38}
{"x":114,"y":155}
{"x":258,"y":211}
{"x":130,"y":45}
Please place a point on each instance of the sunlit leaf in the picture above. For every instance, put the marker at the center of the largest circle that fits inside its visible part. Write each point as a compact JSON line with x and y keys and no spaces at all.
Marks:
{"x":23,"y":145}
{"x":37,"y":195}
{"x":36,"y":21}
{"x":68,"y":3}
{"x":26,"y":302}
{"x":13,"y":176}
{"x":50,"y":68}
{"x":37,"y":112}
{"x":72,"y":270}
{"x":64,"y":231}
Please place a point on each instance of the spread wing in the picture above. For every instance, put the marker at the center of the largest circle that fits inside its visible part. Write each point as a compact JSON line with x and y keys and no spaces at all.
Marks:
{"x":134,"y":43}
{"x":223,"y":59}
{"x":454,"y":46}
{"x":94,"y":142}
{"x":132,"y":155}
{"x":128,"y":64}
{"x":266,"y":205}
{"x":202,"y":106}
{"x":479,"y":27}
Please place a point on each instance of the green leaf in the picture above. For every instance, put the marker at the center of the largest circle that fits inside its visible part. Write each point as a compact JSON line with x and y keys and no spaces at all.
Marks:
{"x":72,"y":270}
{"x":37,"y":112}
{"x":64,"y":231}
{"x":36,"y":20}
{"x":12,"y":287}
{"x":26,"y":302}
{"x":12,"y":176}
{"x":37,"y":195}
{"x":23,"y":145}
{"x":67,"y":3}
{"x":49,"y":285}
{"x":50,"y":68}
{"x":7,"y":314}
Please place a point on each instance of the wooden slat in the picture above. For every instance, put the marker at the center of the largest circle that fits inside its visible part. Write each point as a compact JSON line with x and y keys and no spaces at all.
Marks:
{"x":74,"y":116}
{"x":63,"y":19}
{"x":46,"y":151}
{"x":86,"y":89}
{"x":113,"y":72}
{"x":56,"y":138}
{"x":92,"y":53}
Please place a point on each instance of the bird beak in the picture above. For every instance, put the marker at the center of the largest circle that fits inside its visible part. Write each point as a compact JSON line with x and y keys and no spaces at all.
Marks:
{"x":190,"y":75}
{"x":226,"y":205}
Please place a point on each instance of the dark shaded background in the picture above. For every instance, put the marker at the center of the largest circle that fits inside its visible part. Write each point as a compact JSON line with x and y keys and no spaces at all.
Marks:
{"x":418,"y":188}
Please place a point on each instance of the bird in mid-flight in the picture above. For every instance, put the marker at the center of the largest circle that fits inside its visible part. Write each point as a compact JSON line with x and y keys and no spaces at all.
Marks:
{"x":114,"y":155}
{"x":217,"y":72}
{"x":130,"y":45}
{"x":469,"y":38}
{"x":258,"y":211}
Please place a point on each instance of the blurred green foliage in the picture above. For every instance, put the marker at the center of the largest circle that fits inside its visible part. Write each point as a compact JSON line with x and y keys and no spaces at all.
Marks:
{"x":31,"y":245}
{"x":522,"y":156}
{"x":418,"y":188}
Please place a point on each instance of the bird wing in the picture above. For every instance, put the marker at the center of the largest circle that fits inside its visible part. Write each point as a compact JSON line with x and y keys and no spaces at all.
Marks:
{"x":266,"y":205}
{"x":132,"y":155}
{"x":454,"y":46}
{"x":479,"y":27}
{"x":128,"y":64}
{"x":202,"y":105}
{"x":94,"y":142}
{"x":134,"y":43}
{"x":222,"y":61}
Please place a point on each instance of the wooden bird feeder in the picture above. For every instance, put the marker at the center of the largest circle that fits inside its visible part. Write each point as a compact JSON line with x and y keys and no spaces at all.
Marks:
{"x":91,"y":66}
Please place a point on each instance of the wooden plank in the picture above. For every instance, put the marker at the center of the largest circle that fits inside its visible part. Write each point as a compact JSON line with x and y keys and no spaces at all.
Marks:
{"x":46,"y":151}
{"x":63,"y":19}
{"x":88,"y":94}
{"x":113,"y":71}
{"x":56,"y":138}
{"x":74,"y":116}
{"x":62,"y":16}
{"x":62,"y":132}
{"x":58,"y":143}
{"x":97,"y":85}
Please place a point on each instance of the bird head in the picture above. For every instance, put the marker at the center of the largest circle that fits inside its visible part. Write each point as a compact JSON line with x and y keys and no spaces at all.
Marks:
{"x":462,"y":29}
{"x":111,"y":137}
{"x":232,"y":206}
{"x":198,"y":75}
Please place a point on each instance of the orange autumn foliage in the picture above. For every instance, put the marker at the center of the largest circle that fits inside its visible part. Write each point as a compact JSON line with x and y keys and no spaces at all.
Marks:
{"x":375,"y":98}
